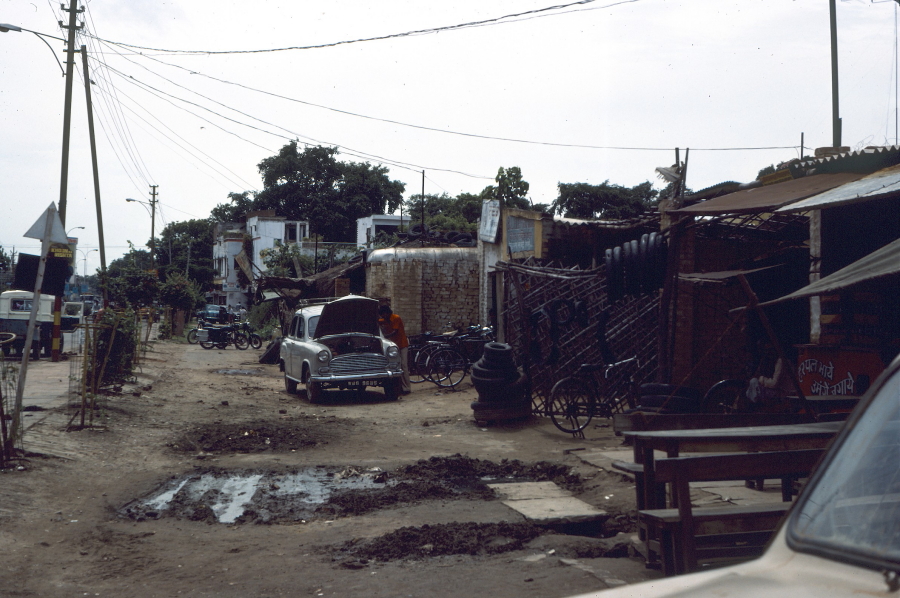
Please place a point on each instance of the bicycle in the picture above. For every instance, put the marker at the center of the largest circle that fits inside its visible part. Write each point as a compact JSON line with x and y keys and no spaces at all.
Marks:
{"x":449,"y":362}
{"x":576,"y":399}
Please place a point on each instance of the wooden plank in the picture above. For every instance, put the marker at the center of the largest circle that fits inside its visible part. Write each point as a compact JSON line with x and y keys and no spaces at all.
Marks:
{"x":638,"y":421}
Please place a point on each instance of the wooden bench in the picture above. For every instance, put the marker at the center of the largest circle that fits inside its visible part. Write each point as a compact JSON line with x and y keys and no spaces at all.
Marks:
{"x":682,"y":536}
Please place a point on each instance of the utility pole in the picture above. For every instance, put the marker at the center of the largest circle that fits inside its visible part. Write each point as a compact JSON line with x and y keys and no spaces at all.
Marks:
{"x":64,"y":174}
{"x":153,"y":202}
{"x":835,"y":111}
{"x":90,"y":115}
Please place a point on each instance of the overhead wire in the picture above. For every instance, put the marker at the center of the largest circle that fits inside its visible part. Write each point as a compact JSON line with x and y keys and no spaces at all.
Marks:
{"x":430,"y":30}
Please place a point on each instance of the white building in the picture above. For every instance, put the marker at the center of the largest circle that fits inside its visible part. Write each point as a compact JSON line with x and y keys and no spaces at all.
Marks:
{"x":367,"y":228}
{"x":229,"y":242}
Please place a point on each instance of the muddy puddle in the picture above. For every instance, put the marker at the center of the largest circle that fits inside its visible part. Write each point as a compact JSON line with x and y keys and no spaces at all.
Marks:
{"x":251,"y":496}
{"x":259,"y":496}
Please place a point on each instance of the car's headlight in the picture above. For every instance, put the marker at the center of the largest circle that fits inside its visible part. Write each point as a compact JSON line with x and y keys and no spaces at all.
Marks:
{"x":323,"y":356}
{"x":393,"y":351}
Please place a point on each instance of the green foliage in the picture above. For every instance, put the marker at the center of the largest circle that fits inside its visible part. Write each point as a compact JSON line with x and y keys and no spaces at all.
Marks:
{"x":606,"y":201}
{"x":115,"y":347}
{"x":6,"y":260}
{"x":279,"y":260}
{"x":178,"y":292}
{"x":235,"y":210}
{"x":187,"y":247}
{"x":130,"y":280}
{"x":445,"y":213}
{"x":511,"y":189}
{"x":264,"y":318}
{"x":313,"y":185}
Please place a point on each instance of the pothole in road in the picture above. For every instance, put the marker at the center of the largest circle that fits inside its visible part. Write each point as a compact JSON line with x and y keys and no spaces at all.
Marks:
{"x":260,"y":496}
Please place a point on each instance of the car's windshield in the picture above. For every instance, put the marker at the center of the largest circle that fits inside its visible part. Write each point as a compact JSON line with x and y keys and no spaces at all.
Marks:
{"x":311,"y":326}
{"x":854,"y":509}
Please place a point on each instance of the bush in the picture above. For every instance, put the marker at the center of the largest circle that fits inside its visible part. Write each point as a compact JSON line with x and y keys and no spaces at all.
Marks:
{"x":115,"y":351}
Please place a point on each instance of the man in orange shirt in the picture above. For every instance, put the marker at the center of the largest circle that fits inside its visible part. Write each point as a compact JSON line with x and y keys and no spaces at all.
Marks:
{"x":392,"y":327}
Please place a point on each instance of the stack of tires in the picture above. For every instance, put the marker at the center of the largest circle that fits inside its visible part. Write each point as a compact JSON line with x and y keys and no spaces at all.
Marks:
{"x":668,"y":398}
{"x":502,"y":389}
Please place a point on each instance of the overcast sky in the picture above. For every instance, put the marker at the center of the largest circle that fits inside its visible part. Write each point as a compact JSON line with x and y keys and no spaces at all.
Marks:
{"x":577,"y":86}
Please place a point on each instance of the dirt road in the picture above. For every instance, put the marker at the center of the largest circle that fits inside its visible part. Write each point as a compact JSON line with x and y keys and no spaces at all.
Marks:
{"x":207,"y":479}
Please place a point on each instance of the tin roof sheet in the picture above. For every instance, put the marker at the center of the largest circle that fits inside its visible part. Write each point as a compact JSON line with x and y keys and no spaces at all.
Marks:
{"x":770,"y":197}
{"x":882,"y":184}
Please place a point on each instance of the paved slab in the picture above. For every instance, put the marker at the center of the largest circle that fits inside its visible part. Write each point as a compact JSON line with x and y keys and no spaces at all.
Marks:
{"x":546,"y":503}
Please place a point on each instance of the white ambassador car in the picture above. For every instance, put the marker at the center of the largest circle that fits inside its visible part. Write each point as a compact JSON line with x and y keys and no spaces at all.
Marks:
{"x":339,"y":345}
{"x":841,"y":538}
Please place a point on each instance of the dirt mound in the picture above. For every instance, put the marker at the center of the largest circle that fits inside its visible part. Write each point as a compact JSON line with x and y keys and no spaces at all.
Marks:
{"x":461,"y":467}
{"x":439,"y":540}
{"x":260,"y":436}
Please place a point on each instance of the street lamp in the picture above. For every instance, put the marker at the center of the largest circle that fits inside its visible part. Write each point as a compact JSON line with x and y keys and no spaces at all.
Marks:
{"x":6,"y":27}
{"x":71,"y":229}
{"x":152,"y":212}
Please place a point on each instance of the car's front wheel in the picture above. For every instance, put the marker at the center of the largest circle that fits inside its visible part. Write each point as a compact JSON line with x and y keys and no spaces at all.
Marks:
{"x":290,"y":385}
{"x":313,"y":389}
{"x":392,"y":389}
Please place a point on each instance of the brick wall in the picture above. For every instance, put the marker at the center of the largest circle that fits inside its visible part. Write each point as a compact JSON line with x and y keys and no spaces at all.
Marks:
{"x":427,"y":288}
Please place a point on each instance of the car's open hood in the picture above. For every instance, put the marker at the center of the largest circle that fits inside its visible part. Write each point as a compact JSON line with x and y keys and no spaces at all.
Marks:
{"x":348,"y":314}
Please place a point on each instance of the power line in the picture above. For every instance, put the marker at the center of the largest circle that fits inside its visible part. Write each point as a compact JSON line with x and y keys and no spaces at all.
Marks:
{"x":495,"y":21}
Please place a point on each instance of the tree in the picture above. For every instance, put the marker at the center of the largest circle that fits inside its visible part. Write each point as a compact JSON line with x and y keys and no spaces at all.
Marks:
{"x":187,"y":247}
{"x":181,"y":293}
{"x":445,"y":213}
{"x":510,"y":189}
{"x":313,"y":185}
{"x":234,"y":211}
{"x":611,"y":202}
{"x":130,"y":279}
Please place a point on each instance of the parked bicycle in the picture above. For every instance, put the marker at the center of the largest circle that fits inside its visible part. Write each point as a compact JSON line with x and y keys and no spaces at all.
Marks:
{"x":576,"y":399}
{"x":447,"y":362}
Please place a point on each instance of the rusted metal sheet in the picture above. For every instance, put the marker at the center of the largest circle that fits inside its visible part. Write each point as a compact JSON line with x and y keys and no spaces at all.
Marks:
{"x":882,"y":184}
{"x":771,"y":197}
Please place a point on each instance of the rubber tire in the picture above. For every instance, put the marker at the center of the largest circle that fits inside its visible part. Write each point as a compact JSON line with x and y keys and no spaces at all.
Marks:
{"x":501,"y":350}
{"x":498,"y":362}
{"x":290,"y":385}
{"x":489,"y":373}
{"x":207,"y":344}
{"x":192,"y":336}
{"x":241,"y":341}
{"x":313,"y":389}
{"x":392,"y":389}
{"x":255,"y":341}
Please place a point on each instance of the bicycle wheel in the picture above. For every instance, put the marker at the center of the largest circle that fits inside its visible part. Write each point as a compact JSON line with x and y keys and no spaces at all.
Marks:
{"x":416,"y":373}
{"x":447,"y":368}
{"x":422,"y":360}
{"x":192,"y":336}
{"x":241,"y":341}
{"x":571,"y":405}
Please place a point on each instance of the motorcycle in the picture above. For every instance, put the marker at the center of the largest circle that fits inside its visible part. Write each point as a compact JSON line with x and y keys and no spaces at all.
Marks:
{"x":222,"y":336}
{"x":255,"y":339}
{"x":192,"y":334}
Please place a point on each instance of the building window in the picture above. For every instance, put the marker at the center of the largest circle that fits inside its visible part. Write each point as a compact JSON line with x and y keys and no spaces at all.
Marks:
{"x":290,"y":232}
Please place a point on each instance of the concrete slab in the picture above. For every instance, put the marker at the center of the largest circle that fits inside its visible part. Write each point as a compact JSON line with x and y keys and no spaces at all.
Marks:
{"x":529,"y":490}
{"x":546,"y":503}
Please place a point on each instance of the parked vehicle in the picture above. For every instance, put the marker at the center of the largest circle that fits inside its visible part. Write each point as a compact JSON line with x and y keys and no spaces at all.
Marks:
{"x":210,"y":313}
{"x":15,"y":310}
{"x":192,"y":333}
{"x":339,"y":345}
{"x":841,"y":538}
{"x":255,"y":339}
{"x":222,"y":336}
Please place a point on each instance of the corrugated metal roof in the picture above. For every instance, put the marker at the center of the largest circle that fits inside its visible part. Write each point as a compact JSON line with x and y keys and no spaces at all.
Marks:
{"x":771,"y":197}
{"x":882,"y":184}
{"x":864,"y":160}
{"x":649,"y":217}
{"x":882,"y":262}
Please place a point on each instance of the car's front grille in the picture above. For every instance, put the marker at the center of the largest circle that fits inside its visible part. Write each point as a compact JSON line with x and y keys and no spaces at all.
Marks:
{"x":358,"y":363}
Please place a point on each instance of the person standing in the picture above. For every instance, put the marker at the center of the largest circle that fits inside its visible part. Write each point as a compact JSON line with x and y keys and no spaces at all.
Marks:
{"x":392,"y":327}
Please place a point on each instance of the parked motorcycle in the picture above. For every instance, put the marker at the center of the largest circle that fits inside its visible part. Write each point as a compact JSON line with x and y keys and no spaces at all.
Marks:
{"x":255,"y":339}
{"x":192,"y":334}
{"x":222,"y":336}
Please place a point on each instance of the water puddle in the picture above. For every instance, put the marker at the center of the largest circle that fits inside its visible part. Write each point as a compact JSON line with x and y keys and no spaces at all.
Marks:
{"x":229,"y":497}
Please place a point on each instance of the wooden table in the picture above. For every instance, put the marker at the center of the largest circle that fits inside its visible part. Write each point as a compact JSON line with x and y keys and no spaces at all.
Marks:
{"x":721,"y":440}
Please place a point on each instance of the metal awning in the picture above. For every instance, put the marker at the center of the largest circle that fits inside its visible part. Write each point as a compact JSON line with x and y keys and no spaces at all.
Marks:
{"x":882,"y":184}
{"x":770,"y":197}
{"x":879,"y":263}
{"x":720,"y":276}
